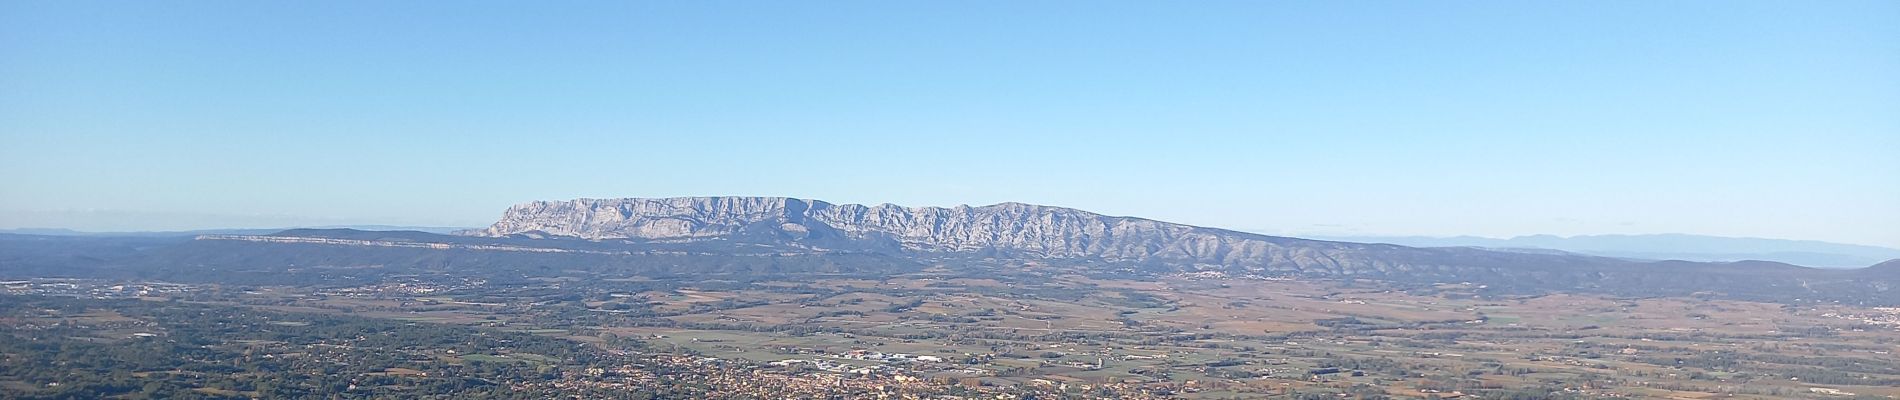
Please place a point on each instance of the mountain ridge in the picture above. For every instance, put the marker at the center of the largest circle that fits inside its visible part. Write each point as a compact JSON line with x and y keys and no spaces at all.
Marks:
{"x":1026,"y":230}
{"x":1666,"y":246}
{"x":736,"y":236}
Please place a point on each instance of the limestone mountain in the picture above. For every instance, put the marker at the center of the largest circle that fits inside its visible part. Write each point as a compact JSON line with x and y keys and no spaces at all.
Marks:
{"x":1025,"y":232}
{"x":742,"y":237}
{"x":1010,"y":229}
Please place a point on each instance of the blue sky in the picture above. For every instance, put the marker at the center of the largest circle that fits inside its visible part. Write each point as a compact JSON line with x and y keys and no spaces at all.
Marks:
{"x":1736,"y":118}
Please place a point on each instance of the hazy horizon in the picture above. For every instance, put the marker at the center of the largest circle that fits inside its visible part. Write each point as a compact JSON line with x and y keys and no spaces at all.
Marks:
{"x":191,"y":222}
{"x":1738,"y":119}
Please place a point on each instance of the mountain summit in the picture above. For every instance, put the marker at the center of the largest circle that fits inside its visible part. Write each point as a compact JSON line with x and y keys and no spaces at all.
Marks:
{"x":1013,"y":229}
{"x":1109,"y":244}
{"x":745,"y":236}
{"x":1105,"y":244}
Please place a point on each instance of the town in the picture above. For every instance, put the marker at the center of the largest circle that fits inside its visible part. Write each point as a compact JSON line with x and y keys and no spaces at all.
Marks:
{"x":1044,"y":332}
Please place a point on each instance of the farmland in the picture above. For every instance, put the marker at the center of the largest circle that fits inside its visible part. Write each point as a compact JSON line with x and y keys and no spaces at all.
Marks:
{"x":1183,"y":335}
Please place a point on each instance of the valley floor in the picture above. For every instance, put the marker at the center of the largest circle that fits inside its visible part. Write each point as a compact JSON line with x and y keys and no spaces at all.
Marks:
{"x":1053,"y":332}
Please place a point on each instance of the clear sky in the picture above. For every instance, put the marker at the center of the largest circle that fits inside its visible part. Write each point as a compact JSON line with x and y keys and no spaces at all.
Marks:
{"x":1494,"y":118}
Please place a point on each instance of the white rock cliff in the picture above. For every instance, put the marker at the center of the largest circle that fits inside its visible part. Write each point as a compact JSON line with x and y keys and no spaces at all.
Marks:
{"x":1015,"y":228}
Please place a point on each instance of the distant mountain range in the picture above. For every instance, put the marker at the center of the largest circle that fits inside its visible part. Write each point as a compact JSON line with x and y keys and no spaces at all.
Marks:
{"x":1032,"y":232}
{"x":1665,"y":247}
{"x":777,"y":235}
{"x":1007,"y":230}
{"x":231,"y":231}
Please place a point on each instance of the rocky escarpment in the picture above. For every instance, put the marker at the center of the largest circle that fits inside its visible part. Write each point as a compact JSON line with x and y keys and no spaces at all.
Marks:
{"x":761,"y":235}
{"x":1025,"y":230}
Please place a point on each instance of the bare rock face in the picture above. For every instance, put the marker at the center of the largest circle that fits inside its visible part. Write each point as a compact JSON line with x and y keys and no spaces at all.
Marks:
{"x":681,"y":218}
{"x":1010,"y":228}
{"x":1015,"y":231}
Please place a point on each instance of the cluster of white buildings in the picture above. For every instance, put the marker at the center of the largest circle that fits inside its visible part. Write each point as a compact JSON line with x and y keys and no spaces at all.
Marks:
{"x":862,"y":355}
{"x":887,"y":357}
{"x":827,"y":365}
{"x":1880,"y":316}
{"x":94,"y":289}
